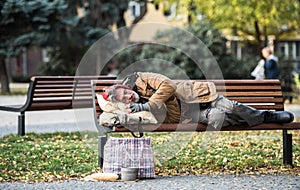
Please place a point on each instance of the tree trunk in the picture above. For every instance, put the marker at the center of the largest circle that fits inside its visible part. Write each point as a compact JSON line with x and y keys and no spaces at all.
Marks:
{"x":258,"y":37}
{"x":266,"y":38}
{"x":4,"y":77}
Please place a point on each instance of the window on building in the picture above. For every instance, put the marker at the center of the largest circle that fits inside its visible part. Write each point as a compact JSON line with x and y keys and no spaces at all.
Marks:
{"x":281,"y":48}
{"x":135,"y":9}
{"x":297,"y":49}
{"x":45,"y":55}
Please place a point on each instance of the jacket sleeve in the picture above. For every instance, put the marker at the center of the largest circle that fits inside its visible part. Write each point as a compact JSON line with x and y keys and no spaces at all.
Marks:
{"x":163,"y":86}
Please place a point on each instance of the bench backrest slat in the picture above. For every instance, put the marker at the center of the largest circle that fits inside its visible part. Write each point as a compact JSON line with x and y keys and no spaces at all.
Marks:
{"x":65,"y":92}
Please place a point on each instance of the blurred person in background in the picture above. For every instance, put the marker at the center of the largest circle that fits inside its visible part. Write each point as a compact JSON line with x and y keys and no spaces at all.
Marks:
{"x":259,"y":70}
{"x":270,"y":65}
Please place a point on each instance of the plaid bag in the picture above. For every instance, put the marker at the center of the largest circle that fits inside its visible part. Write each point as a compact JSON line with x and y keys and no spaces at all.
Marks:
{"x":129,"y":152}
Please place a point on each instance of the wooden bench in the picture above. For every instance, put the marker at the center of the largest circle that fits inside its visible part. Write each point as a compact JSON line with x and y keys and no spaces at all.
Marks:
{"x":264,"y":95}
{"x":54,"y":93}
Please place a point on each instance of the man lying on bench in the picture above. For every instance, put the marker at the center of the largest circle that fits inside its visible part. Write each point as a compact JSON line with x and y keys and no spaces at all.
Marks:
{"x":187,"y":101}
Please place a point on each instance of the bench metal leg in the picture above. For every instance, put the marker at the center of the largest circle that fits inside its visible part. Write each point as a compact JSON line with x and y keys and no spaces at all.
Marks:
{"x":21,"y":124}
{"x":101,"y":142}
{"x":287,"y":148}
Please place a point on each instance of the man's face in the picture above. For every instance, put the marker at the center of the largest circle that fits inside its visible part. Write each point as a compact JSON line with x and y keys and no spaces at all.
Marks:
{"x":126,"y":95}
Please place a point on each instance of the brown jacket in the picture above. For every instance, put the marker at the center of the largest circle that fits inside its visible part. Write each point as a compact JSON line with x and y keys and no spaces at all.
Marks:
{"x":163,"y":94}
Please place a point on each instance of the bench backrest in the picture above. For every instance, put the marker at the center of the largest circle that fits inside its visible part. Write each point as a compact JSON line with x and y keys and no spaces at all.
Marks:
{"x":63,"y":92}
{"x":260,"y":94}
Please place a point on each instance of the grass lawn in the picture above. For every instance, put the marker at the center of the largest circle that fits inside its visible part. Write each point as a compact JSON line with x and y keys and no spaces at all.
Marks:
{"x":63,"y":156}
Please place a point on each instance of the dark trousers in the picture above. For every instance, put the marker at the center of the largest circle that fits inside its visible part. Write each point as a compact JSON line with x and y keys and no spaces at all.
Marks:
{"x":223,"y":112}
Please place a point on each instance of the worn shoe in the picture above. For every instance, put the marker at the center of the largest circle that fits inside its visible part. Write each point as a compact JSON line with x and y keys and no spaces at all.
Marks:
{"x":278,"y":117}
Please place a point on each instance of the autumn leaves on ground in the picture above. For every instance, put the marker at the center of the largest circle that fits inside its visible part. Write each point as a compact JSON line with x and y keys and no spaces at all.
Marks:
{"x":63,"y":156}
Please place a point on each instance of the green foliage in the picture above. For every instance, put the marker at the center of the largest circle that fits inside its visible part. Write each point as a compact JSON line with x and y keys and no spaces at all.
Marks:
{"x":21,"y":78}
{"x":175,"y":59}
{"x":255,"y":18}
{"x":97,"y":17}
{"x":64,"y":60}
{"x":24,"y":23}
{"x":237,"y":69}
{"x":155,"y":58}
{"x":244,"y":18}
{"x":209,"y":35}
{"x":57,"y":25}
{"x":286,"y":74}
{"x":216,"y":43}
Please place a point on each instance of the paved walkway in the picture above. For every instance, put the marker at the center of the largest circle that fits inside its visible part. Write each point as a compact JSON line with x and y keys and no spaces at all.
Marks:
{"x":204,"y":182}
{"x":45,"y":121}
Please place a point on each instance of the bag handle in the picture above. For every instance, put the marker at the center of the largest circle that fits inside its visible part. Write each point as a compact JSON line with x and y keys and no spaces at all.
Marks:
{"x":131,"y":128}
{"x":140,"y":129}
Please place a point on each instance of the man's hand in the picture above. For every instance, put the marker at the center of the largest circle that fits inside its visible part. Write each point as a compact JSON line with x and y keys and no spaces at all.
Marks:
{"x":136,"y":107}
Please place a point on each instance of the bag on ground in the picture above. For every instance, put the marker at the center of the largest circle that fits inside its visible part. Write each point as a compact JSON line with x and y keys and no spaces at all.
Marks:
{"x":129,"y":152}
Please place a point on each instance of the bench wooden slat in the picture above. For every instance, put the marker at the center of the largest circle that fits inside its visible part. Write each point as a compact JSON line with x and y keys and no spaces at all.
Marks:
{"x":246,"y":82}
{"x":51,"y":106}
{"x":249,"y":88}
{"x":72,"y":78}
{"x":57,"y":95}
{"x":62,"y":84}
{"x":251,"y":94}
{"x":257,"y":100}
{"x":45,"y":87}
{"x":57,"y":105}
{"x":269,"y":107}
{"x":54,"y":95}
{"x":254,"y":94}
{"x":43,"y":102}
{"x":67,"y":91}
{"x":60,"y":90}
{"x":202,"y":127}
